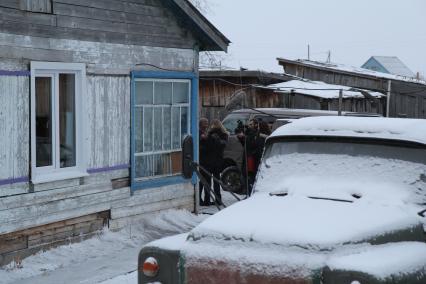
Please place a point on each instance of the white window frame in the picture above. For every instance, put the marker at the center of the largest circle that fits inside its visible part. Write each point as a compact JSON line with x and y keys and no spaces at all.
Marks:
{"x":54,"y":172}
{"x":172,"y":105}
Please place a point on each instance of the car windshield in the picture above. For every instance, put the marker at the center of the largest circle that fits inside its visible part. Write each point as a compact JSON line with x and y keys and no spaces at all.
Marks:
{"x":325,"y":166}
{"x":231,"y":121}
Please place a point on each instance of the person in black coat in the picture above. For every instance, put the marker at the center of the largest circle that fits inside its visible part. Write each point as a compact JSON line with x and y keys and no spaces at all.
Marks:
{"x":215,"y":145}
{"x":202,"y":135}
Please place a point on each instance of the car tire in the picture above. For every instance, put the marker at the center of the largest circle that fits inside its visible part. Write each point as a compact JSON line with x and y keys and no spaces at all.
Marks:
{"x":232,"y":177}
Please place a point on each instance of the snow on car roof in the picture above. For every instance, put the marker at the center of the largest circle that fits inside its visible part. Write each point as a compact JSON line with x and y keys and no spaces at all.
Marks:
{"x":413,"y":130}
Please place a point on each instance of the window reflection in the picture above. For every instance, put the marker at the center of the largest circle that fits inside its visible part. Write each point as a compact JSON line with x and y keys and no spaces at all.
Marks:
{"x":67,"y":120}
{"x":43,"y":93}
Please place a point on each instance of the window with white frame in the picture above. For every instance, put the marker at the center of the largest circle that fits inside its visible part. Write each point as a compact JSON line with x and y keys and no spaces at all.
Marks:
{"x":56,"y":122}
{"x":161,"y":120}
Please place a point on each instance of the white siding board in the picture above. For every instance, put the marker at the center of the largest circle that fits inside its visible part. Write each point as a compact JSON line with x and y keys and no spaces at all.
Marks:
{"x":155,"y":206}
{"x":47,"y":219}
{"x":108,"y":102}
{"x":102,"y":177}
{"x":103,"y":58}
{"x":45,"y":213}
{"x":120,"y":223}
{"x":155,"y":195}
{"x":14,"y":189}
{"x":14,"y":126}
{"x":52,"y":195}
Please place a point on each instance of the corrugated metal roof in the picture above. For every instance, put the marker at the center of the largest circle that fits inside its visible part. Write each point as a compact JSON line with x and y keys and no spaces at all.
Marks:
{"x":394,"y":65}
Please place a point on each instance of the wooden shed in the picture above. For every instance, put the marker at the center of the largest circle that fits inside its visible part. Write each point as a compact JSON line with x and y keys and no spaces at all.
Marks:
{"x":306,"y":94}
{"x":406,"y":97}
{"x":218,"y":88}
{"x":95,"y":98}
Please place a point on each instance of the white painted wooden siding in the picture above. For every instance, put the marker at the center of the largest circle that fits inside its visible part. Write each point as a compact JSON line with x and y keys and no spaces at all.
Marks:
{"x":108,"y":111}
{"x":101,"y":58}
{"x":14,"y":126}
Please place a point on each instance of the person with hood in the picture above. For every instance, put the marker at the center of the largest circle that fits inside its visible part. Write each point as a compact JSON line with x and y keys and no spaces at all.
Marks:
{"x":215,"y":145}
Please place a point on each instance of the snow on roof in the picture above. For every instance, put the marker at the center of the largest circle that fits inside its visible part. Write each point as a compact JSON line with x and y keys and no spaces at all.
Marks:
{"x":394,"y":66}
{"x":321,"y":89}
{"x":403,"y":129}
{"x":352,"y":69}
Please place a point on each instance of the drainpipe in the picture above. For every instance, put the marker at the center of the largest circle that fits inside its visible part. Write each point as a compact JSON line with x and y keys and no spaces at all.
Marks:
{"x":388,"y":98}
{"x":340,"y":102}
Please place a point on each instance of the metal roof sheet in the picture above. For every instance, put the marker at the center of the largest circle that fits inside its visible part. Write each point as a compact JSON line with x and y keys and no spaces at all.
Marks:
{"x":394,"y":65}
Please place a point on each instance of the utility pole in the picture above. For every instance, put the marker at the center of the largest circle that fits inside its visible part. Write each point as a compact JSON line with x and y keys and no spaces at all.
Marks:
{"x":388,"y":98}
{"x":309,"y":53}
{"x":329,"y":56}
{"x":340,"y":102}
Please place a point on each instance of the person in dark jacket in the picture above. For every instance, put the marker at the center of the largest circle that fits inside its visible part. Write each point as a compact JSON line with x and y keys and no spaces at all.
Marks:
{"x":253,"y":141}
{"x":215,"y":145}
{"x":202,"y":135}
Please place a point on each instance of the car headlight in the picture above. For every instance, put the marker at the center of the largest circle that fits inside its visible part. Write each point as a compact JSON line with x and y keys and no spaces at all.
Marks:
{"x":150,"y":267}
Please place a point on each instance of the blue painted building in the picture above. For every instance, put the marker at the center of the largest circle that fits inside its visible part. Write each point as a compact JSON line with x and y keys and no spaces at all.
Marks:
{"x":388,"y":64}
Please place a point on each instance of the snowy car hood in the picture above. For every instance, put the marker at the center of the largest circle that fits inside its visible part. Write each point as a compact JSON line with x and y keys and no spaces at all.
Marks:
{"x":297,"y":220}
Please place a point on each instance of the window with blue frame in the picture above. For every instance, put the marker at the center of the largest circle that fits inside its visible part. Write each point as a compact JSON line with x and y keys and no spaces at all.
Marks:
{"x":161,"y":109}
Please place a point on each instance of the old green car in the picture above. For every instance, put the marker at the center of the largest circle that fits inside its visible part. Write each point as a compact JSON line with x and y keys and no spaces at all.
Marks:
{"x":336,"y":200}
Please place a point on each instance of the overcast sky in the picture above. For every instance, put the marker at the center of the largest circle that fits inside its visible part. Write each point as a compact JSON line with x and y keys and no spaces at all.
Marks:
{"x":353,"y":31}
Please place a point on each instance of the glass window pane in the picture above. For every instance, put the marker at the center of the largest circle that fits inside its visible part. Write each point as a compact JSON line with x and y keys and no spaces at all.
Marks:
{"x":158,"y":129}
{"x":143,"y":166}
{"x":147,"y":129}
{"x":184,"y":121}
{"x":162,"y":165}
{"x":175,"y":128}
{"x":180,"y":92}
{"x":43,"y":97}
{"x":138,"y":134}
{"x":167,"y":128}
{"x":143,"y":92}
{"x":152,"y":165}
{"x":67,"y":140}
{"x":163,"y":93}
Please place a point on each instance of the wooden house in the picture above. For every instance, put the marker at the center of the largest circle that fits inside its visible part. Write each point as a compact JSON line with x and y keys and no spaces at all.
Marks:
{"x":95,"y":98}
{"x":218,"y":88}
{"x":405,"y":97}
{"x":306,"y":94}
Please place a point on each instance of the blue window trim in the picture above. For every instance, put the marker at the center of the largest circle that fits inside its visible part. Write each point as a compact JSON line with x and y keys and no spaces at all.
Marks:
{"x":163,"y":181}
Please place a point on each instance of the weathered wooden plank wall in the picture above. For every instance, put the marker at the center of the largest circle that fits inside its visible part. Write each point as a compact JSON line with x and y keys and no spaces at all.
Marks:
{"x":151,"y":200}
{"x":329,"y":77}
{"x":215,"y":95}
{"x":407,"y":98}
{"x":147,"y":23}
{"x":112,"y":38}
{"x":14,"y":127}
{"x":101,"y":58}
{"x":108,"y":109}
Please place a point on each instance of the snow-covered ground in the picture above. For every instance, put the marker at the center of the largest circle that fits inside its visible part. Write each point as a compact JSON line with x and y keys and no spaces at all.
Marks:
{"x":109,"y":258}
